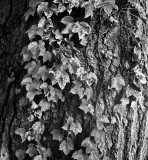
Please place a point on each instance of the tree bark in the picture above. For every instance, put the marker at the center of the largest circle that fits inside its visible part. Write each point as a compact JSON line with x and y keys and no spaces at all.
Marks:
{"x":125,"y":140}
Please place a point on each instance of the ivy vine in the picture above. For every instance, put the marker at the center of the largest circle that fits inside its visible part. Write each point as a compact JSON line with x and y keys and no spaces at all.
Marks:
{"x":53,"y":66}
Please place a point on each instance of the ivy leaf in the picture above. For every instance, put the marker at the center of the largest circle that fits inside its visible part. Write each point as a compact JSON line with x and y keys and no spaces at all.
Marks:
{"x":31,"y":94}
{"x":62,"y":78}
{"x":57,"y":135}
{"x":78,"y":155}
{"x":21,"y":132}
{"x":66,"y":146}
{"x":33,"y":47}
{"x":45,"y":105}
{"x":77,"y":89}
{"x":76,"y":127}
{"x":32,"y":31}
{"x":31,"y":12}
{"x":86,"y":107}
{"x":69,"y":121}
{"x":90,"y":146}
{"x":89,"y":8}
{"x":67,"y":20}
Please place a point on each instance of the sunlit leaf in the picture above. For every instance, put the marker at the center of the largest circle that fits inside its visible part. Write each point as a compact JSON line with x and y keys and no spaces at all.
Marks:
{"x":66,"y":146}
{"x":45,"y":105}
{"x":76,"y":127}
{"x":86,"y":107}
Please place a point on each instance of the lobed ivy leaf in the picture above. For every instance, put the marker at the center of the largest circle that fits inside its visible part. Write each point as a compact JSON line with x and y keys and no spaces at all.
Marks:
{"x":57,"y":135}
{"x":75,"y":127}
{"x":45,"y":105}
{"x":66,"y":146}
{"x":86,"y":107}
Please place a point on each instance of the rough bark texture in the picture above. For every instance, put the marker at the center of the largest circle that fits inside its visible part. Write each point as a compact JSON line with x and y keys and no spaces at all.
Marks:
{"x":126,"y":141}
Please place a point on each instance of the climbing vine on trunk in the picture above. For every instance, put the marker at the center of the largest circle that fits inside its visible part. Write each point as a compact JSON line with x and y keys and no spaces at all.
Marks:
{"x":76,"y":49}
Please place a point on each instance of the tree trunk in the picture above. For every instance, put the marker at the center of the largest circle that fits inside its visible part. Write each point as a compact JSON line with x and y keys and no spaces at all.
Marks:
{"x":12,"y":39}
{"x":108,"y":54}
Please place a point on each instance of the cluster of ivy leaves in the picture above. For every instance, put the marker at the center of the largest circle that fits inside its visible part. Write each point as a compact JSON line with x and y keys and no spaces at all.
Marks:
{"x":52,"y":63}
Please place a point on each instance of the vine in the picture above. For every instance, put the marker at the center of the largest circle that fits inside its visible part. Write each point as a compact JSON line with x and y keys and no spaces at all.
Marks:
{"x":54,"y":68}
